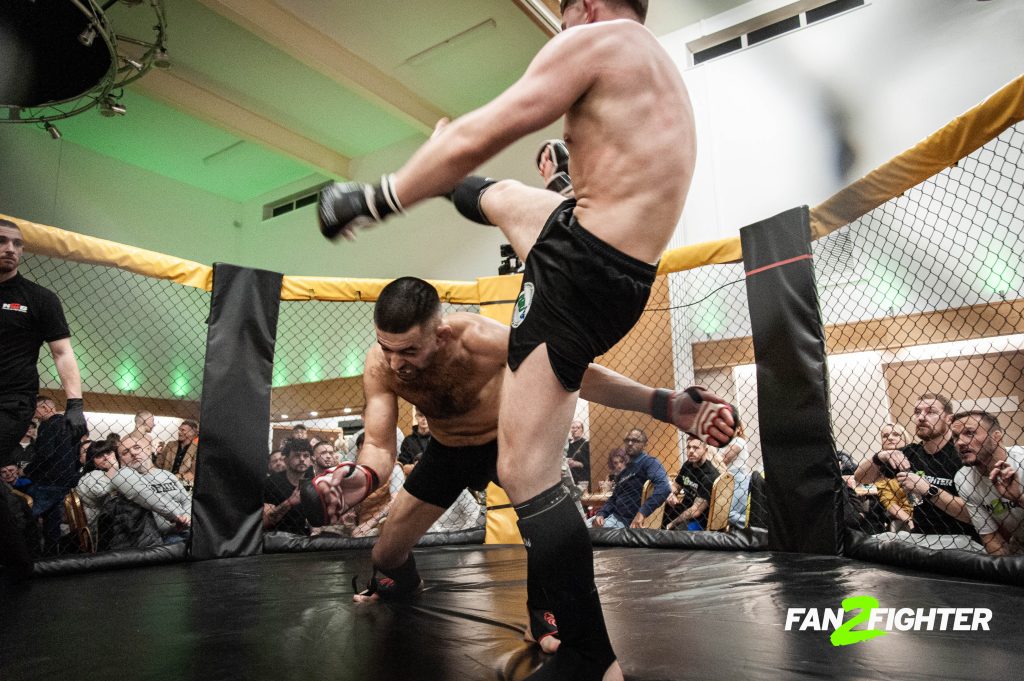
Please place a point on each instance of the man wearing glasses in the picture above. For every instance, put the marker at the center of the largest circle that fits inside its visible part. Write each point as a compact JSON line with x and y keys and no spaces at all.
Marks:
{"x":623,"y":509}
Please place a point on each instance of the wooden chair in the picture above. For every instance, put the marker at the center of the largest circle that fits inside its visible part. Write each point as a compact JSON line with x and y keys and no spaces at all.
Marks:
{"x":24,"y":497}
{"x":77,"y":522}
{"x":721,"y":500}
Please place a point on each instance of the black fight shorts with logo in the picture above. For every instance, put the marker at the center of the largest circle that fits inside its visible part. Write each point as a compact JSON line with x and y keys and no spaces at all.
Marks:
{"x":443,"y":472}
{"x":579,"y":295}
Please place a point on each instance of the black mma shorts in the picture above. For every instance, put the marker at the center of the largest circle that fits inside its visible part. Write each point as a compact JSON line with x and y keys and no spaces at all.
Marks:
{"x":579,"y":295}
{"x":443,"y":472}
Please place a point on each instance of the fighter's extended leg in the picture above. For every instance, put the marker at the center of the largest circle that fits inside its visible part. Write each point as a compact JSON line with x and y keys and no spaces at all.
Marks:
{"x":518,"y":210}
{"x":535,"y":413}
{"x":408,"y":520}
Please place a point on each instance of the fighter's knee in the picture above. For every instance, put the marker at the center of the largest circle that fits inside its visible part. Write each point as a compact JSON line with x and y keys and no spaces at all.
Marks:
{"x":500,"y":193}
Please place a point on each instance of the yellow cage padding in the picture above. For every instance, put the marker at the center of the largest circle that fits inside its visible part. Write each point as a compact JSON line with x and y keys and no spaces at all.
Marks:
{"x":938,"y":151}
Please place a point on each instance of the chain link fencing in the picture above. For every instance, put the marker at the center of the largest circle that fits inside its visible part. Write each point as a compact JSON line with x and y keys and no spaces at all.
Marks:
{"x":140,"y":345}
{"x":921,"y":301}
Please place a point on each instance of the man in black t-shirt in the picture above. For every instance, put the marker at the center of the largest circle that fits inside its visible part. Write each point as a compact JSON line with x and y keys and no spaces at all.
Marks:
{"x":926,"y":469}
{"x":281,"y":490}
{"x":30,"y":315}
{"x":415,"y":443}
{"x":692,"y":489}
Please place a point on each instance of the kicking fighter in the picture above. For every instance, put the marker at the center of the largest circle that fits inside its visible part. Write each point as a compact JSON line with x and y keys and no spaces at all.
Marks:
{"x":590,"y":264}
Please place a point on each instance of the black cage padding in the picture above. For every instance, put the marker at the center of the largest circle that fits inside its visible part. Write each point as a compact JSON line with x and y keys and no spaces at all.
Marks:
{"x":231,"y":461}
{"x":283,"y":542}
{"x":951,"y":562}
{"x":802,"y":478}
{"x":109,"y":560}
{"x":749,"y":539}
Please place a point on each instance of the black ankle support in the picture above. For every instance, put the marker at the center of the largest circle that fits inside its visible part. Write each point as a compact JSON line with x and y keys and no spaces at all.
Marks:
{"x":466,"y":198}
{"x":560,"y":566}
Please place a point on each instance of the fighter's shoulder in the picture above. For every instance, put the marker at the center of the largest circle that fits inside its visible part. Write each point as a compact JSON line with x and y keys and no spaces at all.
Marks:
{"x":478,"y":333}
{"x":610,"y":37}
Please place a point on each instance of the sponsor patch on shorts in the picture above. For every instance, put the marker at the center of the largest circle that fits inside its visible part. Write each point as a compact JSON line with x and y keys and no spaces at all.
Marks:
{"x":523,"y":303}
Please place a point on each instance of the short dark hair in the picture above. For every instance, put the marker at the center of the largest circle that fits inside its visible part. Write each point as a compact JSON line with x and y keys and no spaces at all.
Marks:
{"x":98,"y":448}
{"x":404,"y":303}
{"x":639,"y":7}
{"x":296,"y":445}
{"x":947,"y":406}
{"x":299,"y":426}
{"x":8,"y":223}
{"x":194,"y":425}
{"x":990,"y":421}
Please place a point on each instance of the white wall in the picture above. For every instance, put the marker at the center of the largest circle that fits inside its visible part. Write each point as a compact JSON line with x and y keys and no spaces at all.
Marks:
{"x":431,"y":241}
{"x":885,"y":76}
{"x":59,"y":183}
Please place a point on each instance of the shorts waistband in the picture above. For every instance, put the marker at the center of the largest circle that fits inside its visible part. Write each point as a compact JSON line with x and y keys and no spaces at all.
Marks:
{"x":638,"y":268}
{"x":442,"y":448}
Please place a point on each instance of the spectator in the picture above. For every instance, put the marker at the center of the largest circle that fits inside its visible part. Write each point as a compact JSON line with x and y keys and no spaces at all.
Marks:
{"x":891,"y":496}
{"x":28,"y":444}
{"x":927,"y":467}
{"x":30,"y":315}
{"x":13,"y":477}
{"x":97,"y":484}
{"x":54,"y":470}
{"x":623,"y":508}
{"x":694,"y":482}
{"x":578,"y":453}
{"x":144,"y":424}
{"x":300,"y":432}
{"x":281,"y":490}
{"x":617,"y":461}
{"x":153,"y":489}
{"x":179,"y":456}
{"x":275,"y":464}
{"x":736,"y":458}
{"x":998,"y":520}
{"x":415,"y":443}
{"x":323,"y":457}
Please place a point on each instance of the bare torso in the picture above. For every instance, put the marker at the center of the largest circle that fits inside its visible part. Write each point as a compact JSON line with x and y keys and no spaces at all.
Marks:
{"x":632,"y":141}
{"x":459,"y":393}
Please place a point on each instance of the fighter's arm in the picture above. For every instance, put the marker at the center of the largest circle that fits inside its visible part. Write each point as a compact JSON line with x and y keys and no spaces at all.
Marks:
{"x":380,"y":418}
{"x":562,"y":72}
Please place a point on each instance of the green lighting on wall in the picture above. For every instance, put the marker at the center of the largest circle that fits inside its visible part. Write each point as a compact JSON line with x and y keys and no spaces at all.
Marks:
{"x":314,"y":369}
{"x":353,"y":365}
{"x":998,"y":274}
{"x":885,"y":290}
{"x":280,"y":375}
{"x":711,"y":321}
{"x":128,"y":377}
{"x":181,"y":384}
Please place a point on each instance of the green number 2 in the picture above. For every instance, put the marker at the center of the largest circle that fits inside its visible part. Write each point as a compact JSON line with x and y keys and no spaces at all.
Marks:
{"x":845,"y":635}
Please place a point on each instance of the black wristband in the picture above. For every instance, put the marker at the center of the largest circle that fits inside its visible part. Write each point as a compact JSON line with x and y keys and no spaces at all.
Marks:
{"x":877,"y":460}
{"x":73,"y":402}
{"x":660,"y":403}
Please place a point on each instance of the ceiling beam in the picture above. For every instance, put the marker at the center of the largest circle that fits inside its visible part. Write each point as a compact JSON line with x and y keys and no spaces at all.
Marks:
{"x":544,"y":13}
{"x":291,"y":35}
{"x":188,"y":92}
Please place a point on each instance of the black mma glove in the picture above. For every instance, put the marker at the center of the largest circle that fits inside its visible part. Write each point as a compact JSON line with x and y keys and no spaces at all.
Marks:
{"x":350,"y":205}
{"x":75,"y":418}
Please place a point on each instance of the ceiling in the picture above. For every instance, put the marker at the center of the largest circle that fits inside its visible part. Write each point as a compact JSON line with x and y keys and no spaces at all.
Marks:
{"x":266,"y":93}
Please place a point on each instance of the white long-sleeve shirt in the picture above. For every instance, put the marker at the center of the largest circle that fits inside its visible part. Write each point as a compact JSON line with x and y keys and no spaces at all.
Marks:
{"x":159,"y":491}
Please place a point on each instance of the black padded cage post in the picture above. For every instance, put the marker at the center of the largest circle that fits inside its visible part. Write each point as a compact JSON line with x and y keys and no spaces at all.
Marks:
{"x":802,"y":478}
{"x":227,"y":504}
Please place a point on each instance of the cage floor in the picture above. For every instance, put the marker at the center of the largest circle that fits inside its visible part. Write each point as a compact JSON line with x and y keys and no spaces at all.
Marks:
{"x":672,"y":614}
